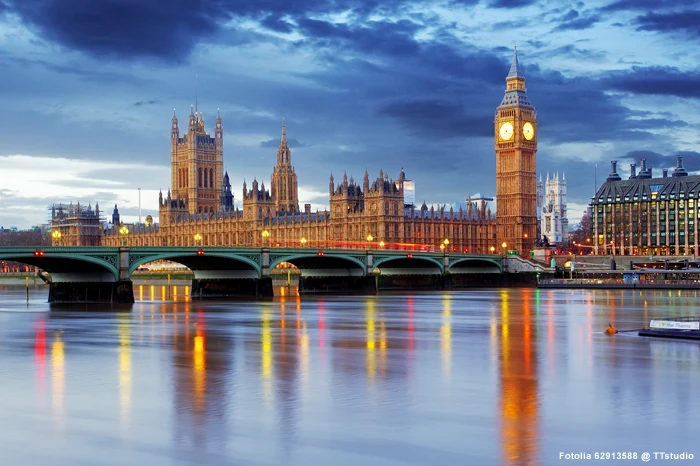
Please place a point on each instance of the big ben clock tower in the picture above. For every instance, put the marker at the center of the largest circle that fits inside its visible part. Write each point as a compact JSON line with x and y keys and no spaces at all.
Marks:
{"x":515,"y":134}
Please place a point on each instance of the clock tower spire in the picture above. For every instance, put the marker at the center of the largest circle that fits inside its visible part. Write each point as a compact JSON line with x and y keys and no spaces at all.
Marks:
{"x":515,"y":138}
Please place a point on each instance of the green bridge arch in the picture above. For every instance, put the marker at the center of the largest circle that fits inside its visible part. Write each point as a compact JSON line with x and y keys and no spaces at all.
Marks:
{"x":498,"y":264}
{"x":108,"y":262}
{"x":291,"y":257}
{"x":145,"y":258}
{"x":381,"y":260}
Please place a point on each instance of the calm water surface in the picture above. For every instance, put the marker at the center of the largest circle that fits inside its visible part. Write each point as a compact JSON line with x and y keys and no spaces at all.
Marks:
{"x":488,"y":377}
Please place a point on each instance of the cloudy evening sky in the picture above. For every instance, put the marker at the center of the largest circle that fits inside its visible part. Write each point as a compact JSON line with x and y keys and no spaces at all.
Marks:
{"x":88,"y":90}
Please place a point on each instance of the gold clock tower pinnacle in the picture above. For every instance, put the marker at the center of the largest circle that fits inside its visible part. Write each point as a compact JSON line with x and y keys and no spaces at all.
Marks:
{"x":515,"y":135}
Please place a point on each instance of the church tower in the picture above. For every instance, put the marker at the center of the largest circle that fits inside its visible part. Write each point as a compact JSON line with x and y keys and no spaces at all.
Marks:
{"x":197,"y":162}
{"x":515,"y":134}
{"x":283,"y":188}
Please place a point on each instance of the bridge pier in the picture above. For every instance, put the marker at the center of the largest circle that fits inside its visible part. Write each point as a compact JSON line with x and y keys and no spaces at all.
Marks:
{"x":365,"y":285}
{"x":120,"y":292}
{"x":203,"y":288}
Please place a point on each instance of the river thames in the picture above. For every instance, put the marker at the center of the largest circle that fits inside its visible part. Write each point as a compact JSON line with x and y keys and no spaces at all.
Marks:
{"x":479,"y":377}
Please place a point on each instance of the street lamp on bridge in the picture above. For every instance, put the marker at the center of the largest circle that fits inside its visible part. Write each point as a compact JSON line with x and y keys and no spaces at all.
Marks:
{"x":303,"y":242}
{"x":265,"y":236}
{"x":493,"y":249}
{"x":197,"y":239}
{"x":57,"y":237}
{"x":124,"y":231}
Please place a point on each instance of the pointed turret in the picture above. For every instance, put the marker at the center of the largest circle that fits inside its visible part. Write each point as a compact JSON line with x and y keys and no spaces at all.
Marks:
{"x":365,"y":182}
{"x":192,"y":126}
{"x":115,"y":216}
{"x":515,"y":94}
{"x":219,"y":130}
{"x":515,"y":71}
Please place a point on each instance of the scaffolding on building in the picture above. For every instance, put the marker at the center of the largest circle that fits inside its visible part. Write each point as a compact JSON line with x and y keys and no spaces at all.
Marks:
{"x":75,"y":225}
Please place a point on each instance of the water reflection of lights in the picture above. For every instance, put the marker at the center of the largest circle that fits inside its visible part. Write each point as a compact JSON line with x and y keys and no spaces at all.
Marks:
{"x":446,"y":335}
{"x":504,"y":323}
{"x":304,"y":360}
{"x":40,"y":354}
{"x":58,"y":375}
{"x":411,"y":324}
{"x":266,"y":359}
{"x":370,"y":338}
{"x":518,"y":383}
{"x":124,"y":329}
{"x":199,"y":365}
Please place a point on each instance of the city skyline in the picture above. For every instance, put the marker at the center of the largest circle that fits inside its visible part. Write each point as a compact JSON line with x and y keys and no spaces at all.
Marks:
{"x":364,"y":87}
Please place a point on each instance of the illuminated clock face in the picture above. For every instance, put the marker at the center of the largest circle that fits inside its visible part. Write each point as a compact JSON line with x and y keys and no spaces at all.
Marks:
{"x":506,"y":131}
{"x":528,"y":131}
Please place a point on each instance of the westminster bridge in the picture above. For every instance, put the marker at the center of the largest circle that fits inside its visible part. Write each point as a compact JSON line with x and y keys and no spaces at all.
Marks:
{"x":103,"y":274}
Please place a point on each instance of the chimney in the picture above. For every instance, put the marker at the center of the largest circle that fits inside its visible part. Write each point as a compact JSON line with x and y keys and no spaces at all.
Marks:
{"x":633,"y":170}
{"x":613,"y":176}
{"x":651,"y":175}
{"x":307,"y":208}
{"x":643,"y":171}
{"x":679,"y":171}
{"x":665,"y":172}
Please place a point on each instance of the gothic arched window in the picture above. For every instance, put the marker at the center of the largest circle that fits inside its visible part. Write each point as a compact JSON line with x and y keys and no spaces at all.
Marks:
{"x":211,"y":177}
{"x":205,"y":178}
{"x":199,"y":175}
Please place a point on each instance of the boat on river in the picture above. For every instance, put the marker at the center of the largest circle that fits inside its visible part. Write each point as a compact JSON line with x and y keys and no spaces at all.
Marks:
{"x":673,"y":327}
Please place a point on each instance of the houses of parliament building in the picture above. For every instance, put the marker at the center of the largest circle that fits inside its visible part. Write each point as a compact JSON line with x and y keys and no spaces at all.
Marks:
{"x":199,"y":209}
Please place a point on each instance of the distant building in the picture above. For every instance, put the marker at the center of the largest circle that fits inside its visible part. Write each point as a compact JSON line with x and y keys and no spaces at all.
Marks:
{"x":646,"y":215}
{"x":76,"y":225}
{"x":551,"y":207}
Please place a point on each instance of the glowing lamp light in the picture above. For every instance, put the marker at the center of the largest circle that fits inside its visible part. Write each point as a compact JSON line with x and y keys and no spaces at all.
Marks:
{"x":39,"y":253}
{"x":320,"y":253}
{"x":200,"y":252}
{"x":409,"y":255}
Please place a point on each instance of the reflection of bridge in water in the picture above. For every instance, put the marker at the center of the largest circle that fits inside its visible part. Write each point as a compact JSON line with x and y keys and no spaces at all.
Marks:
{"x":103,"y":274}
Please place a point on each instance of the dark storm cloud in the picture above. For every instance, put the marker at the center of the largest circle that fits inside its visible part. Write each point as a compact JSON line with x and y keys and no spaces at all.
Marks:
{"x":274,"y":143}
{"x":441,"y":118}
{"x":687,"y":22}
{"x":569,"y":16}
{"x":511,"y":3}
{"x":656,"y":80}
{"x":393,"y":38}
{"x":141,"y":103}
{"x":571,"y":51}
{"x":649,"y":5}
{"x":511,"y":24}
{"x":657,"y":161}
{"x":275,"y":23}
{"x":145,"y":29}
{"x":578,"y":24}
{"x":84,"y":72}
